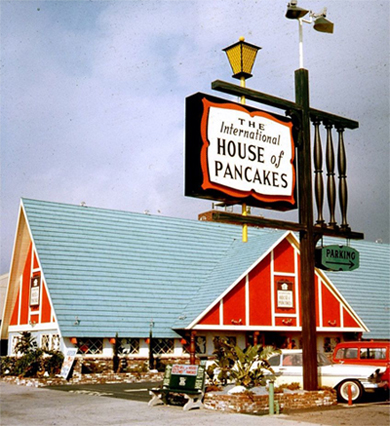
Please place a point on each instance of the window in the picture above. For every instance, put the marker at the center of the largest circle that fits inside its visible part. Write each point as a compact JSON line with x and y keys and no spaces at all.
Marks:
{"x":274,"y":361}
{"x":200,"y":344}
{"x":45,"y":342}
{"x":232,"y":340}
{"x":373,"y":353}
{"x":129,"y":346}
{"x":15,"y":340}
{"x":90,"y":346}
{"x":351,"y":353}
{"x":55,"y":342}
{"x":293,"y":360}
{"x":163,"y":346}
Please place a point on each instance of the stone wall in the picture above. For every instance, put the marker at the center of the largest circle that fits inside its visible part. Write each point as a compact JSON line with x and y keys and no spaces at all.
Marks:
{"x":248,"y":402}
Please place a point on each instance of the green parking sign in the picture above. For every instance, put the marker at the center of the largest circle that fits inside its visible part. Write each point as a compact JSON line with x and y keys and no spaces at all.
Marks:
{"x":337,"y":258}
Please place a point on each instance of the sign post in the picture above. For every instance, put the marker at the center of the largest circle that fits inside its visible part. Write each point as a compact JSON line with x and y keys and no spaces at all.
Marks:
{"x":209,"y":178}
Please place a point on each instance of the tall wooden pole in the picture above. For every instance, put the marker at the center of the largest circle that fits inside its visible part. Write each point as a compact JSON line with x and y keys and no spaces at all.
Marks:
{"x":307,"y":236}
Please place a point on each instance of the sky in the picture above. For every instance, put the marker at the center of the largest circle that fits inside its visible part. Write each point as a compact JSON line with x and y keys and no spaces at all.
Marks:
{"x":93,"y":97}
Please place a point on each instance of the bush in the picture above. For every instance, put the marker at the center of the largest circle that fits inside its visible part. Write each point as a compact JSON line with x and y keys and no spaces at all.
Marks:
{"x":29,"y":364}
{"x":247,"y":367}
{"x":53,"y":362}
{"x":7,"y":365}
{"x":33,"y":364}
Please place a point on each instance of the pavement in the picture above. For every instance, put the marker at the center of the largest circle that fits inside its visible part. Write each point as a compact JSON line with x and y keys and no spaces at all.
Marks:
{"x":22,"y":405}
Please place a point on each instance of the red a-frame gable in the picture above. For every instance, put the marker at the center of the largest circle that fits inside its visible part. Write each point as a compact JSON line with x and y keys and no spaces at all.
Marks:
{"x":268,"y":298}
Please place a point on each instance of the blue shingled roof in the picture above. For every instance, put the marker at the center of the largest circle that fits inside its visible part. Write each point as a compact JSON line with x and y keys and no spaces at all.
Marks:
{"x":115,"y":270}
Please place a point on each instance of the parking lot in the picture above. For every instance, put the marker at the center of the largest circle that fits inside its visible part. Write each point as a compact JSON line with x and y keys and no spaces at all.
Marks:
{"x":126,"y":404}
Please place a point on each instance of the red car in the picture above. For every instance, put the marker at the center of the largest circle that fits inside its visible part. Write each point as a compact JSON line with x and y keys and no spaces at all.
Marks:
{"x":364,"y":352}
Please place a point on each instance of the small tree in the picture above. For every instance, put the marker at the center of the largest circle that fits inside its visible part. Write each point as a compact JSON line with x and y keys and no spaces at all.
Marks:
{"x":116,"y":350}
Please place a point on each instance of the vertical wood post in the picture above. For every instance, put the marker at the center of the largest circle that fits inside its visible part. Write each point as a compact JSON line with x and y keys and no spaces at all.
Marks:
{"x":318,"y":181}
{"x":192,"y":348}
{"x":330,"y":172}
{"x":307,"y":237}
{"x":342,"y":168}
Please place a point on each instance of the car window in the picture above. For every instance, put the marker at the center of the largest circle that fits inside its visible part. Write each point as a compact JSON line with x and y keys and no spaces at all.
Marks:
{"x":294,"y":360}
{"x":373,"y":353}
{"x":274,"y":361}
{"x":339,"y":354}
{"x":351,"y":353}
{"x":322,"y":360}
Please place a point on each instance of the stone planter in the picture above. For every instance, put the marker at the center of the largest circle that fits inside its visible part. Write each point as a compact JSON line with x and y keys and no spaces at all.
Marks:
{"x":249,"y":402}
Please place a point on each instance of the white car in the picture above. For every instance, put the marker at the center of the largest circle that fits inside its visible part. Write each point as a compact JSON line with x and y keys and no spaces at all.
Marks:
{"x":288,"y":367}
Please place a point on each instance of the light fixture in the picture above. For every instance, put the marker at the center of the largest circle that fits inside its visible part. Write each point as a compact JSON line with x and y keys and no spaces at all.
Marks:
{"x":321,"y":24}
{"x":295,"y":12}
{"x":241,"y":56}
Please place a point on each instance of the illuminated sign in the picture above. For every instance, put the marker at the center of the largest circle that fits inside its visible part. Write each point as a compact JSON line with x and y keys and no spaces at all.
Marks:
{"x":236,"y":153}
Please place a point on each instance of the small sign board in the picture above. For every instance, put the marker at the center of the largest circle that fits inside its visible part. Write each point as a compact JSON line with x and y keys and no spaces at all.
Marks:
{"x":285,"y":294}
{"x":35,"y":286}
{"x":236,"y":154}
{"x":337,"y":258}
{"x":68,"y":363}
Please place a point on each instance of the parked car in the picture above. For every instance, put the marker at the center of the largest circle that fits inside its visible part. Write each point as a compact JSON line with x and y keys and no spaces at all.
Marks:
{"x":367,"y":378}
{"x":364,"y":353}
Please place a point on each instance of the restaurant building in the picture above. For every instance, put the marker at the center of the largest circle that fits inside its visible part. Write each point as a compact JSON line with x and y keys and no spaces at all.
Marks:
{"x":80,"y":276}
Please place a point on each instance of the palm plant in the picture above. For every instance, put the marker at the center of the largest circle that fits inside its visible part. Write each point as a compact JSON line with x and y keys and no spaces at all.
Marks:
{"x":248,"y":367}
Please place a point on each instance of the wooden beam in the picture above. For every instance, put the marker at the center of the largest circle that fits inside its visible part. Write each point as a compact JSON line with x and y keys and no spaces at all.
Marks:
{"x":264,"y":98}
{"x":253,"y":95}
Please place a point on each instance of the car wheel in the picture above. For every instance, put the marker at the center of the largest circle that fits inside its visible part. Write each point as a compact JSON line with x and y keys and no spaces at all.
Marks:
{"x":356,"y":391}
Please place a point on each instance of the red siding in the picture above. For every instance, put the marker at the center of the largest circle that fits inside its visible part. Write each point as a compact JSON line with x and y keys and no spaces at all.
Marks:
{"x":212,"y":317}
{"x":260,"y":294}
{"x":330,"y":309}
{"x":45,"y":308}
{"x":36,"y":265}
{"x":234,"y":305}
{"x":285,"y":322}
{"x":348,"y":320}
{"x":284,"y":257}
{"x":26,"y":289}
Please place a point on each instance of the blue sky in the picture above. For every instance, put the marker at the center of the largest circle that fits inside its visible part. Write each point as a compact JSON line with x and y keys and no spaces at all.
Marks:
{"x":93,"y":93}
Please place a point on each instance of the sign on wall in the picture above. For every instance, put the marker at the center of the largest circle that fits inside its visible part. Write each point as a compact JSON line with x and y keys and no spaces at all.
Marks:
{"x":35,"y":286}
{"x":236,"y":154}
{"x":285,"y":294}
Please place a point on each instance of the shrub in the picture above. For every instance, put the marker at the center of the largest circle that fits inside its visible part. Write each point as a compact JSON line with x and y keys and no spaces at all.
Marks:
{"x":53,"y":362}
{"x":7,"y":365}
{"x":248,"y":367}
{"x":29,"y":364}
